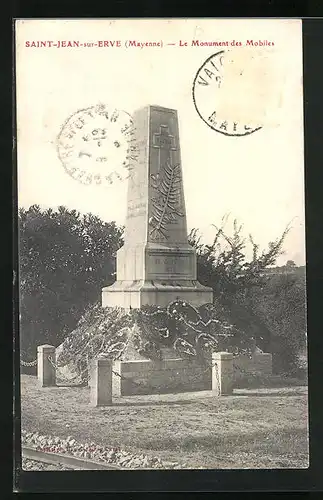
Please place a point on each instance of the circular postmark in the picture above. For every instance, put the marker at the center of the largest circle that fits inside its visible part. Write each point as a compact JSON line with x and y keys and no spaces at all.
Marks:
{"x":216,"y":98}
{"x":97,"y":145}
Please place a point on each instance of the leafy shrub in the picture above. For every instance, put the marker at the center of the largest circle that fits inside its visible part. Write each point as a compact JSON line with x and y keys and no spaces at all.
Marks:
{"x":270,"y":307}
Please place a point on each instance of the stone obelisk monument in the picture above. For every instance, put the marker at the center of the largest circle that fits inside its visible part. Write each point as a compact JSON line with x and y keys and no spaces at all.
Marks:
{"x":156,"y":265}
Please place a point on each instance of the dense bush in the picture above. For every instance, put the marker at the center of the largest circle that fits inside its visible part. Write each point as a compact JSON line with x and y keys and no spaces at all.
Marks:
{"x":281,"y":306}
{"x":64,"y":261}
{"x":270,"y":306}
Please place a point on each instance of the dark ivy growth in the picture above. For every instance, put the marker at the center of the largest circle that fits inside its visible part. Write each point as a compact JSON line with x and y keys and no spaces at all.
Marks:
{"x":190,"y":331}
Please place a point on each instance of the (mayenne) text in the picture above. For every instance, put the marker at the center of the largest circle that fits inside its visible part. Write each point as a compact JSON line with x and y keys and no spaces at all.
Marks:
{"x":128,"y":44}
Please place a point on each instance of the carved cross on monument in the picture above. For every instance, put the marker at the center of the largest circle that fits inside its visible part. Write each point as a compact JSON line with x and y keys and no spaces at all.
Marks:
{"x":165,"y":142}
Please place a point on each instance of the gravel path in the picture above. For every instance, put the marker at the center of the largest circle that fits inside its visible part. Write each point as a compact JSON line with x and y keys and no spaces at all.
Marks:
{"x":29,"y":465}
{"x":108,"y":455}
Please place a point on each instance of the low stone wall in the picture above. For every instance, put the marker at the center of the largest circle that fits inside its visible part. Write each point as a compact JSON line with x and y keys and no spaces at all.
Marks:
{"x":169,"y":375}
{"x":259,"y":364}
{"x":108,"y":378}
{"x":178,"y":375}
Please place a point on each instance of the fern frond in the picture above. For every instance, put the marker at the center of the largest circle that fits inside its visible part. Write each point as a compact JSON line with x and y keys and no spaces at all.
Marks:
{"x":166,"y":206}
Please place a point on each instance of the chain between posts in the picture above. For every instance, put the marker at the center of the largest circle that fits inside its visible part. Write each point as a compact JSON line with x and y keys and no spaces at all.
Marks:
{"x":239,"y":368}
{"x":197,"y":377}
{"x":57,"y":368}
{"x":245,"y":372}
{"x":28,"y":363}
{"x":215,"y":365}
{"x":128,"y":379}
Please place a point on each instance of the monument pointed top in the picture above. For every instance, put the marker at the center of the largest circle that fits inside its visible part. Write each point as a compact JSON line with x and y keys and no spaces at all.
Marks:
{"x":161,"y":108}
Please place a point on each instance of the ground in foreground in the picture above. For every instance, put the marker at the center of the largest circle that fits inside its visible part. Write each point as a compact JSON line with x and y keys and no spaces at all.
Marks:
{"x":259,"y":428}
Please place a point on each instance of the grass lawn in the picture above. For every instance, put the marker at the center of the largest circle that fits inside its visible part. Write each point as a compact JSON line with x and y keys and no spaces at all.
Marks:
{"x":259,"y":428}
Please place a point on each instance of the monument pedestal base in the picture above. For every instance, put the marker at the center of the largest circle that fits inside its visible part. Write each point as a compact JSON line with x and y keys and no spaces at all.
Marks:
{"x":134,"y":294}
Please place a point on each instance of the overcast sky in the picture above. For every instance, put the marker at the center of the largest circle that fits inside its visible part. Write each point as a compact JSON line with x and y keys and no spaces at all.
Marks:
{"x":257,"y":178}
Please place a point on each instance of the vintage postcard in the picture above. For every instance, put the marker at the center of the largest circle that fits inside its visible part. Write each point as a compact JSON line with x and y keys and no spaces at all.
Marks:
{"x":160,"y":170}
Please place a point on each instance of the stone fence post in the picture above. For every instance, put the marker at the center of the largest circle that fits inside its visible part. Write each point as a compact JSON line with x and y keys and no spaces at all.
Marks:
{"x":46,"y":372}
{"x":222,"y":373}
{"x":100,"y":382}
